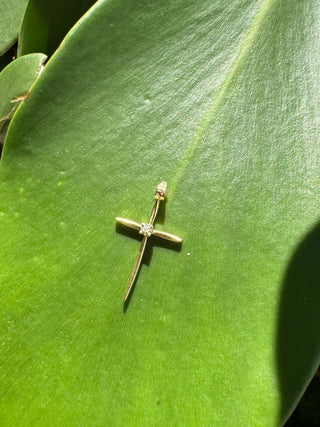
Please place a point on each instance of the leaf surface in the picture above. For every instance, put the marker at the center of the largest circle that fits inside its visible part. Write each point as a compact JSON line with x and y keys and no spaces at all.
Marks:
{"x":220,"y":99}
{"x":11,"y":13}
{"x":45,"y":24}
{"x":16,"y":80}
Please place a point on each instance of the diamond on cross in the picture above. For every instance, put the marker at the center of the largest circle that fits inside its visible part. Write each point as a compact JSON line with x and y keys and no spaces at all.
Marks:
{"x":147,"y":230}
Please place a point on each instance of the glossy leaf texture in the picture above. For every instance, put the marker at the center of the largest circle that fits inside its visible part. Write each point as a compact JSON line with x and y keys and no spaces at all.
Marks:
{"x":16,"y":80}
{"x":45,"y":24}
{"x":11,"y":13}
{"x":221,"y":100}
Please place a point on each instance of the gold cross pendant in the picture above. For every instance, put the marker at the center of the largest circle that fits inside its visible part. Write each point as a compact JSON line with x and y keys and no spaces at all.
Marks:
{"x":147,"y":230}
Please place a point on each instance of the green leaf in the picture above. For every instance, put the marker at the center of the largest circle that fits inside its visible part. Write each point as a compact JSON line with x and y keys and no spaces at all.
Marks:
{"x":45,"y":24}
{"x":11,"y":13}
{"x":221,"y":99}
{"x":16,"y":80}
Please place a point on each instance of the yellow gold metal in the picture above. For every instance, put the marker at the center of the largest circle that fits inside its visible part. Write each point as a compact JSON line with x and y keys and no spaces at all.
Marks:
{"x":127,"y":222}
{"x":147,"y":230}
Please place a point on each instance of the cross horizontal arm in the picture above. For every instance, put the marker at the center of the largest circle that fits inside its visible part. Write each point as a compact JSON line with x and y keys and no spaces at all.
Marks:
{"x":129,"y":223}
{"x":167,"y":236}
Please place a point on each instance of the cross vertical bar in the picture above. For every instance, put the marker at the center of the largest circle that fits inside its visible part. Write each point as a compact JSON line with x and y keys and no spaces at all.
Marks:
{"x":154,"y":212}
{"x":135,"y":268}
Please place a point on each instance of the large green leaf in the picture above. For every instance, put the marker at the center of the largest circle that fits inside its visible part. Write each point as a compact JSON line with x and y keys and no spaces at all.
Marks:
{"x":221,"y":99}
{"x":46,"y":23}
{"x":11,"y":13}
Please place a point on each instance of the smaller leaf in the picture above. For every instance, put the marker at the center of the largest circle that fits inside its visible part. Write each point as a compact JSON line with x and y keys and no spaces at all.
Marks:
{"x":15,"y":82}
{"x":45,"y":24}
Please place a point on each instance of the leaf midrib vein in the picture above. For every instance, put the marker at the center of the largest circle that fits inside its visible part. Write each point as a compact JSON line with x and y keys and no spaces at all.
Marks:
{"x":244,"y":49}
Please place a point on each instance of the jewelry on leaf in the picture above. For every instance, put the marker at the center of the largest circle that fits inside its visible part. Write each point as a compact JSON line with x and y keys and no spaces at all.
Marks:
{"x":147,"y":230}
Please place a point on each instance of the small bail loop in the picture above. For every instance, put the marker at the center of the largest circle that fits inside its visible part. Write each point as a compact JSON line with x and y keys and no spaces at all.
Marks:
{"x":161,"y":191}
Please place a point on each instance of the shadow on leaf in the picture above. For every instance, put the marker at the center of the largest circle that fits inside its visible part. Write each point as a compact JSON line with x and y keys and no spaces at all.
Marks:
{"x":298,"y":341}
